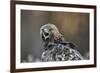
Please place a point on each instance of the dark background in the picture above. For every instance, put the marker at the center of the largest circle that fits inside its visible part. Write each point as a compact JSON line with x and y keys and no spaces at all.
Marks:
{"x":73,"y":26}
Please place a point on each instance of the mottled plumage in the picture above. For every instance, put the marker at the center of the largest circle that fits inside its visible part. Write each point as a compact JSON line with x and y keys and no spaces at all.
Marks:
{"x":55,"y":47}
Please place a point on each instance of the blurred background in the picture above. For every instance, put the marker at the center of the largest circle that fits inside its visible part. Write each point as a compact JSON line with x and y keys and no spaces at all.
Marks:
{"x":73,"y":26}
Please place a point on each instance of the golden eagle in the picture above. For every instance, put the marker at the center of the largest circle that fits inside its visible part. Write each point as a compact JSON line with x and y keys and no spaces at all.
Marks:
{"x":55,"y":46}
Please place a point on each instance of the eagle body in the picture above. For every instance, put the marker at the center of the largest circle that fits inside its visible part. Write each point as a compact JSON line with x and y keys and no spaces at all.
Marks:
{"x":55,"y":47}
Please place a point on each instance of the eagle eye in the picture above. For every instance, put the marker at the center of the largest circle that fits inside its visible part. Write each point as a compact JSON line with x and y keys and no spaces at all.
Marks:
{"x":46,"y":34}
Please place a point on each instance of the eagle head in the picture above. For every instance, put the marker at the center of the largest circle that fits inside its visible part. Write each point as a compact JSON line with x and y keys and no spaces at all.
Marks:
{"x":49,"y":32}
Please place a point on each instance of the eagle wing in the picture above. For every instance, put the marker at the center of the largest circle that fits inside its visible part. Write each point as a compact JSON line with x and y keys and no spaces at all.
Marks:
{"x":60,"y":52}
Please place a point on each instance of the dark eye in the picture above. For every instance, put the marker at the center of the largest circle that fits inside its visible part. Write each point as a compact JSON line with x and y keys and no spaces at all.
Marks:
{"x":46,"y":34}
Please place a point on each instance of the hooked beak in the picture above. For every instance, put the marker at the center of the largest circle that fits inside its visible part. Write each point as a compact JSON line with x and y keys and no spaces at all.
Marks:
{"x":45,"y":34}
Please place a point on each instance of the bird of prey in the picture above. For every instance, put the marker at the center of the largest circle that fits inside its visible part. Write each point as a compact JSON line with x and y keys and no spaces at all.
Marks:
{"x":55,"y":46}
